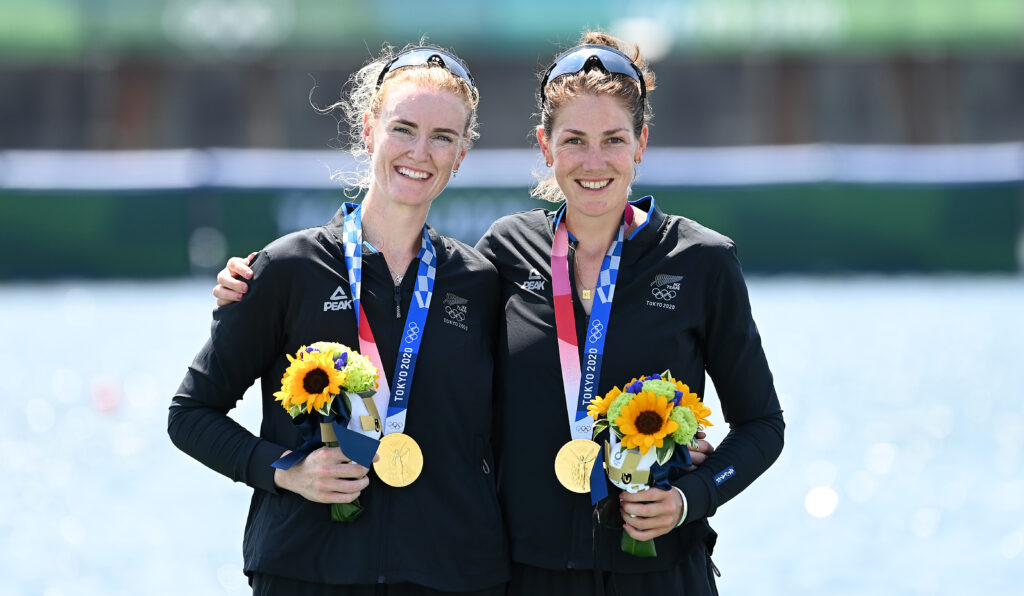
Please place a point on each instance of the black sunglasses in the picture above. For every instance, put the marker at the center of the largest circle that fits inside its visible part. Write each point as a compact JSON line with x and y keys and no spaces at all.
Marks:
{"x":429,"y":55}
{"x":589,"y":56}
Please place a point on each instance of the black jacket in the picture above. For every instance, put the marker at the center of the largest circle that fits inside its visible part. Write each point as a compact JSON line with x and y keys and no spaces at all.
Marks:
{"x":680,"y":304}
{"x":443,"y":531}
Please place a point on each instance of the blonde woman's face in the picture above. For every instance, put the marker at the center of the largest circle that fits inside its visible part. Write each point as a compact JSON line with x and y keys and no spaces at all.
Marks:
{"x":592,"y":150}
{"x":415,"y":142}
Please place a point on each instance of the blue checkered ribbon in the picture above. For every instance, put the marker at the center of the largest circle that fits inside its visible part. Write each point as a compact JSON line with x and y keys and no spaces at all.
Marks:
{"x":415,"y":320}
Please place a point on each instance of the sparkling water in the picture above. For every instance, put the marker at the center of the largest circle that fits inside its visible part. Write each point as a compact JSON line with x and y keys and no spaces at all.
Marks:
{"x":902,"y":472}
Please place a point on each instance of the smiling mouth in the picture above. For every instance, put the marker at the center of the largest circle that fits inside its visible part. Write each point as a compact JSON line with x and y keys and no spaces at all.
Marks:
{"x":414,"y":174}
{"x":594,"y":184}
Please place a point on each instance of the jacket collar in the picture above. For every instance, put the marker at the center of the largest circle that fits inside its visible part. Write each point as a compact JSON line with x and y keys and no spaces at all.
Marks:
{"x":640,"y":240}
{"x":336,"y":227}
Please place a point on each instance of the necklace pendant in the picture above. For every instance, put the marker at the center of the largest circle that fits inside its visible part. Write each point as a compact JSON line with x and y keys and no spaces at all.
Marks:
{"x":587,"y":294}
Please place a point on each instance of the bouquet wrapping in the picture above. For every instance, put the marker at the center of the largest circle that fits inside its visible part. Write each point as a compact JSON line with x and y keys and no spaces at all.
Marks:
{"x":647,"y":420}
{"x":325,"y":385}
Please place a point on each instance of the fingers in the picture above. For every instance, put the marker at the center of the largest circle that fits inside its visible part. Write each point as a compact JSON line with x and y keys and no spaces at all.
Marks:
{"x":331,"y":462}
{"x":225,"y":296}
{"x":338,"y":490}
{"x":325,"y":476}
{"x":705,"y":448}
{"x":239,"y":267}
{"x":647,"y":503}
{"x":645,"y":496}
{"x":650,"y":513}
{"x":230,"y":287}
{"x":350,"y":470}
{"x":229,"y":281}
{"x":702,"y":452}
{"x":643,"y":535}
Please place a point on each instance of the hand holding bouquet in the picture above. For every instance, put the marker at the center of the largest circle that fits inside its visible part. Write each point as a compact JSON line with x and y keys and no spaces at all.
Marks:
{"x":318,"y":390}
{"x":648,"y":419}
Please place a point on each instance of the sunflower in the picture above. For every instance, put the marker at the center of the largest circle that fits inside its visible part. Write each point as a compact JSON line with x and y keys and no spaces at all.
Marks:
{"x":644,"y":421}
{"x":599,"y":405}
{"x":693,"y":402}
{"x":311,"y":380}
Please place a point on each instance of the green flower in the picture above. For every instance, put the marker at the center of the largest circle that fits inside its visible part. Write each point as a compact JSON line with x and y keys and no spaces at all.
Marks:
{"x":360,"y":374}
{"x":666,"y":389}
{"x":615,"y":410}
{"x":329,"y":347}
{"x":687,"y":425}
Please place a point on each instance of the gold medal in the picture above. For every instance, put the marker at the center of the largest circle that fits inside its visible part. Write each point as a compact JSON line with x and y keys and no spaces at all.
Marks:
{"x":574,"y":462}
{"x":401,"y":460}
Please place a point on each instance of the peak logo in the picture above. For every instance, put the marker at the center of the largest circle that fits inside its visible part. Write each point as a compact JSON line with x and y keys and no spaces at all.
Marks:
{"x":339,"y":300}
{"x":534,"y":282}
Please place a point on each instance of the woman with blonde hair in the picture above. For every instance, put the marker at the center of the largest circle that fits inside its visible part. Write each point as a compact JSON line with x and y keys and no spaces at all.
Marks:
{"x":378,"y":279}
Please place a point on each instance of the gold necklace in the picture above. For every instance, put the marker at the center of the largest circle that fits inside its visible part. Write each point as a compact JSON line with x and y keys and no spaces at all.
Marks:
{"x":585,"y":292}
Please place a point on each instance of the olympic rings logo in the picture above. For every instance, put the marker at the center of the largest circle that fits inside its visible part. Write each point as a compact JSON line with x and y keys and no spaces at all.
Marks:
{"x":596,"y":331}
{"x":394,"y":425}
{"x":662,"y":294}
{"x":413,"y":333}
{"x":455,"y":314}
{"x":582,"y":428}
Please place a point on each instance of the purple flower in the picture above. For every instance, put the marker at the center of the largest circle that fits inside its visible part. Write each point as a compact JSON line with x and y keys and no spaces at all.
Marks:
{"x":679,"y":396}
{"x":341,"y":361}
{"x":653,"y":378}
{"x":634,"y":388}
{"x":311,"y":350}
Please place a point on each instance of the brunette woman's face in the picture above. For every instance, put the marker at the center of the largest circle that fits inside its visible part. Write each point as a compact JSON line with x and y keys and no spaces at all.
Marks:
{"x":592,"y":149}
{"x":415,"y":142}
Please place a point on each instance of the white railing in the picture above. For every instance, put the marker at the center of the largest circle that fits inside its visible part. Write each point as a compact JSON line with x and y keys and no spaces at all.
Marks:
{"x":513,"y":168}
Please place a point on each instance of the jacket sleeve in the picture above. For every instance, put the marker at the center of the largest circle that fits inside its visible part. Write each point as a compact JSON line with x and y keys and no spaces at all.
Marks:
{"x":737,"y":365}
{"x":245,"y":339}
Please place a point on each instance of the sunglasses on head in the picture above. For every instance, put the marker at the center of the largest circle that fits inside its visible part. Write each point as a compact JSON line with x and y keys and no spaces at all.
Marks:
{"x":428,"y":55}
{"x":589,"y":56}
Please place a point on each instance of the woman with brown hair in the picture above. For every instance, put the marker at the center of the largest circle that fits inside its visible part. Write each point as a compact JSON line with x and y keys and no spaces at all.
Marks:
{"x":649,"y":292}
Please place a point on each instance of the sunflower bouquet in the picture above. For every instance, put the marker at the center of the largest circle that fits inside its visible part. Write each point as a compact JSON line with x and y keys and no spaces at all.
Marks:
{"x":648,"y":419}
{"x":325,"y":383}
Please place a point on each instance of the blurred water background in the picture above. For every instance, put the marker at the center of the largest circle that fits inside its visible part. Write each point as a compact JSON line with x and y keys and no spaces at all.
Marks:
{"x":866,"y":155}
{"x":903,"y":471}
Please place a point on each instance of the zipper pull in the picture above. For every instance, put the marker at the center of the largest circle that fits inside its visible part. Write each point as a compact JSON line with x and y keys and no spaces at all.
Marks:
{"x":398,"y":301}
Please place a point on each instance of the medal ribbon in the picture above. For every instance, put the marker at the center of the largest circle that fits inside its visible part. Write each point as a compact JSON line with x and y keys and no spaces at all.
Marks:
{"x":396,"y":401}
{"x":580,"y":384}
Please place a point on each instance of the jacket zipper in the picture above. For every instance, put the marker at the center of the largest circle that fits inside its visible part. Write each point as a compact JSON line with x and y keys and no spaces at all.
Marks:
{"x":398,"y":301}
{"x":383,"y":503}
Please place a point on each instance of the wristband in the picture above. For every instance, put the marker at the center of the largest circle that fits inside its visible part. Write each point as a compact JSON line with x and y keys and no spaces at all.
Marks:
{"x":682,"y":518}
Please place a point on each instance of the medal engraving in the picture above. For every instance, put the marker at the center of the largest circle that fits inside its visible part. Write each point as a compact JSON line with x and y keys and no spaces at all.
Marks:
{"x":574,"y":462}
{"x":401,"y":460}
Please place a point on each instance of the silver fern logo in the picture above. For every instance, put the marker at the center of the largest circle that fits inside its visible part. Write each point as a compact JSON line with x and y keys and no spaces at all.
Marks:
{"x":664,"y":290}
{"x":456,"y":308}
